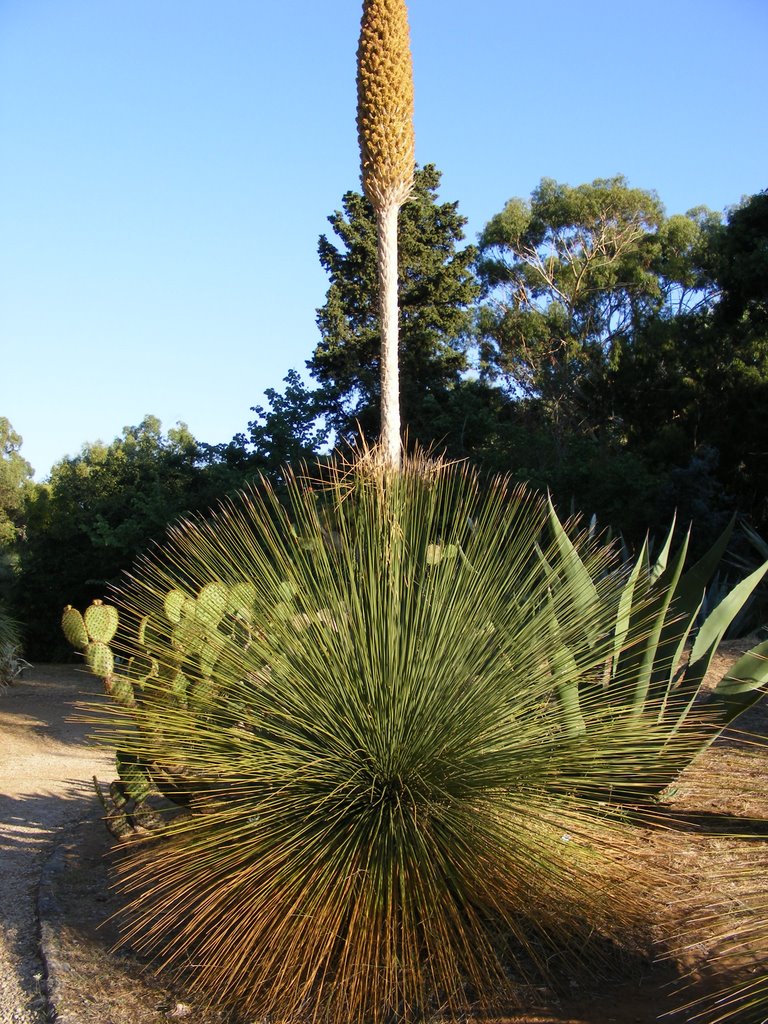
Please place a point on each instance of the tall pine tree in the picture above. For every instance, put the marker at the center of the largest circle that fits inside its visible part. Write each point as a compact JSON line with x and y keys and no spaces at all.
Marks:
{"x":437,"y":290}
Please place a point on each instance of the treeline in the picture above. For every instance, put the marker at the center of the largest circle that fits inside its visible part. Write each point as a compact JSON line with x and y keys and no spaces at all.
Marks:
{"x":589,"y":344}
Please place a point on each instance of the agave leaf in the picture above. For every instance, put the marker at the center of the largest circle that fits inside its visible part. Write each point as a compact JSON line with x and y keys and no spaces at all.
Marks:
{"x":687,"y":600}
{"x":568,"y":695}
{"x":581,"y":583}
{"x":750,"y":670}
{"x":672,"y":680}
{"x":714,"y":627}
{"x":648,"y":625}
{"x":660,"y":565}
{"x":744,"y":683}
{"x":546,"y":564}
{"x":565,"y":675}
{"x":696,"y":579}
{"x":626,"y":604}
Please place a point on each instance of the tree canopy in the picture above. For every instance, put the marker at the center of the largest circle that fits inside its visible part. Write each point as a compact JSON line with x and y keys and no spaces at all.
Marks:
{"x":100,"y":510}
{"x":570,"y":277}
{"x":15,"y":477}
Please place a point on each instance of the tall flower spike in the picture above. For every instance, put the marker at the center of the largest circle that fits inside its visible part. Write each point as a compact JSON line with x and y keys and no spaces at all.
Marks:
{"x":385,"y":132}
{"x":385,"y":103}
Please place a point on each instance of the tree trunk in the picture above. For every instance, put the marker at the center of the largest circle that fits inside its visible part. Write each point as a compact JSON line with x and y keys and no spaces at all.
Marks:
{"x":386,"y":224}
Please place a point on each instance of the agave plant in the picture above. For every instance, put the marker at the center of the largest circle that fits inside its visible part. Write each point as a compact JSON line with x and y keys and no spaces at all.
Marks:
{"x":663,"y":647}
{"x":364,"y":701}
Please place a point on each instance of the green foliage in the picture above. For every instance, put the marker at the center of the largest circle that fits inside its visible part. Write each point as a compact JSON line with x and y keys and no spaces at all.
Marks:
{"x":436,"y":290}
{"x":99,"y":511}
{"x":691,"y":389}
{"x":600,"y":319}
{"x":15,"y":476}
{"x":571,"y":271}
{"x":366,"y":700}
{"x":15,"y":488}
{"x":9,"y":630}
{"x":291,"y":430}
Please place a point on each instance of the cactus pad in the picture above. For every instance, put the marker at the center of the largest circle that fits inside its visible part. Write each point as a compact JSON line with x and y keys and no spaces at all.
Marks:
{"x":134,"y":777}
{"x":121,"y":689}
{"x":173,"y":604}
{"x":242,"y":597}
{"x":74,"y":629}
{"x":99,"y":659}
{"x":179,"y":686}
{"x":101,"y":622}
{"x":211,"y":604}
{"x":142,"y":667}
{"x":203,"y":693}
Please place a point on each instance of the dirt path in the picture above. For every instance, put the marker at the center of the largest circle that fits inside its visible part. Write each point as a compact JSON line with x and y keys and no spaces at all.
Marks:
{"x":45,"y":784}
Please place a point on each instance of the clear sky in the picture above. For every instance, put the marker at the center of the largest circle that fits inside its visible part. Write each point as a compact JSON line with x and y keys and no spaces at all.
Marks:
{"x":167,"y":166}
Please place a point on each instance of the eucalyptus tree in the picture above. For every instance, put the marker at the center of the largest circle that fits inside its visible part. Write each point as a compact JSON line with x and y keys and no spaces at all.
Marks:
{"x":386,"y":136}
{"x":571,"y":276}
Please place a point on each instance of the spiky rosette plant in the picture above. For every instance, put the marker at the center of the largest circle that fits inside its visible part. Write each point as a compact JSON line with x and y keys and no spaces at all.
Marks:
{"x":386,"y":137}
{"x":391,"y":812}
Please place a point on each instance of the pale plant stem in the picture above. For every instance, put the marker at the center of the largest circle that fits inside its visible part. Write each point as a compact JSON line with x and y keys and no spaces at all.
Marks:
{"x":386,"y":223}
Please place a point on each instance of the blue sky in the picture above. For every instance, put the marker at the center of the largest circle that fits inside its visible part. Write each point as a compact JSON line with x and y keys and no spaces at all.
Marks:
{"x":166,"y":168}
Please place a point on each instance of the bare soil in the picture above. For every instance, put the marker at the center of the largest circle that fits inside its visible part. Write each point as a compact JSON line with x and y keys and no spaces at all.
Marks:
{"x":722,"y":800}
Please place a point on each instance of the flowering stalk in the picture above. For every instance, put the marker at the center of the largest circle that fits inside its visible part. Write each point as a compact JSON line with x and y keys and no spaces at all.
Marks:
{"x":385,"y":132}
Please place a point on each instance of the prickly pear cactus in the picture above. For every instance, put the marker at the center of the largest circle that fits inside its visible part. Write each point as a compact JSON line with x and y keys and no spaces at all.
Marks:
{"x":91,"y":633}
{"x":133,"y":776}
{"x":173,"y":604}
{"x":171,"y":658}
{"x":211,"y":604}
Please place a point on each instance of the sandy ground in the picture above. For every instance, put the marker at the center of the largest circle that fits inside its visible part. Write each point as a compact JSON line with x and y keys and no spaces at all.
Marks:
{"x":55,"y":856}
{"x":45,"y":768}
